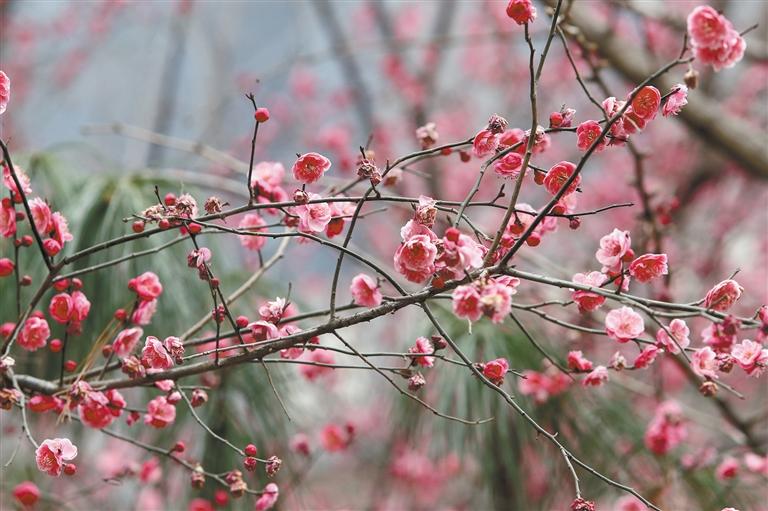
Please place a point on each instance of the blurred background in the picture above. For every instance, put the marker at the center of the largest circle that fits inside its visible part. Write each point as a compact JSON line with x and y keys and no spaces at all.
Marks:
{"x":111,"y":98}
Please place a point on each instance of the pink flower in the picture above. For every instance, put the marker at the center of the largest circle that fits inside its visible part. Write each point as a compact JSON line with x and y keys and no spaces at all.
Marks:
{"x":509,"y":165}
{"x":496,"y":300}
{"x":485,"y":143}
{"x":313,"y":217}
{"x":723,"y":295}
{"x":522,"y":11}
{"x":5,"y":91}
{"x":334,"y":438}
{"x":267,"y":175}
{"x":675,"y":101}
{"x":426,"y":212}
{"x":649,"y":266}
{"x":26,"y":493}
{"x":458,"y":252}
{"x":160,"y":413}
{"x":252,"y":222}
{"x":313,"y":372}
{"x":558,"y":175}
{"x":542,"y":386}
{"x":268,"y":498}
{"x":144,"y":312}
{"x":99,"y":409}
{"x":41,"y":214}
{"x":727,"y":469}
{"x":726,"y":55}
{"x":707,"y":28}
{"x":466,"y":303}
{"x":756,"y":463}
{"x":645,"y":104}
{"x":751,"y":356}
{"x":423,"y":346}
{"x":667,"y":428}
{"x":624,"y":324}
{"x":175,"y":347}
{"x":365,"y":291}
{"x":52,"y":454}
{"x":310,"y":167}
{"x":704,"y":363}
{"x":613,"y":248}
{"x":587,"y":133}
{"x":495,"y":370}
{"x":154,"y":355}
{"x":34,"y":334}
{"x":60,"y":308}
{"x":273,"y":311}
{"x":126,"y":340}
{"x":6,"y":267}
{"x":596,"y":378}
{"x":7,"y":219}
{"x":147,"y":286}
{"x":680,"y":333}
{"x":80,"y":307}
{"x":22,"y":177}
{"x":577,"y":362}
{"x":60,"y":229}
{"x":586,"y":300}
{"x":646,"y":357}
{"x":263,"y":331}
{"x":415,"y":259}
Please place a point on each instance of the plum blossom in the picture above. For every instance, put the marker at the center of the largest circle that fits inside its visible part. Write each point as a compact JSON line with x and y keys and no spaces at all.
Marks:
{"x":647,"y":357}
{"x":679,"y":339}
{"x":41,"y":215}
{"x":645,"y":104}
{"x":587,"y":133}
{"x":704,"y":363}
{"x":34,"y":334}
{"x":495,"y":370}
{"x":252,"y":222}
{"x":648,"y":267}
{"x":7,"y":219}
{"x":365,"y":291}
{"x":485,"y":143}
{"x":26,"y":493}
{"x":597,"y":377}
{"x":52,"y":454}
{"x":415,"y":258}
{"x":457,"y":252}
{"x":667,"y":428}
{"x":751,"y":356}
{"x":154,"y":355}
{"x":274,"y":310}
{"x":334,"y":438}
{"x":624,"y":324}
{"x":160,"y":413}
{"x":466,"y":303}
{"x":675,"y":101}
{"x":426,"y":212}
{"x":99,"y":409}
{"x":496,"y":300}
{"x":263,"y":331}
{"x":268,"y":498}
{"x":558,"y":175}
{"x":613,"y":248}
{"x":147,"y":286}
{"x":577,"y":361}
{"x":544,"y":385}
{"x":126,"y":340}
{"x":60,"y":308}
{"x":60,"y":229}
{"x":727,"y":469}
{"x":509,"y":165}
{"x":144,"y":312}
{"x":5,"y":91}
{"x":522,"y":11}
{"x":423,"y":346}
{"x":586,"y":300}
{"x":313,"y":217}
{"x":723,"y":295}
{"x":310,"y":167}
{"x":714,"y":39}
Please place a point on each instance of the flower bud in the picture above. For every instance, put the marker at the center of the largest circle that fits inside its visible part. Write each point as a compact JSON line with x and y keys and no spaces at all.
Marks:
{"x":273,"y":465}
{"x":300,"y":196}
{"x":199,"y":397}
{"x":415,"y":382}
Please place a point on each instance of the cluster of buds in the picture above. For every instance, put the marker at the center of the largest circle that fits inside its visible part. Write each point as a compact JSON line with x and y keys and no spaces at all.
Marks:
{"x":219,"y":313}
{"x":170,"y":214}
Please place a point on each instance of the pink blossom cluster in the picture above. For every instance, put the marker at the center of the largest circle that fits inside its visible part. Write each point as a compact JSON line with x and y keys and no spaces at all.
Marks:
{"x":713,"y":38}
{"x":490,"y":297}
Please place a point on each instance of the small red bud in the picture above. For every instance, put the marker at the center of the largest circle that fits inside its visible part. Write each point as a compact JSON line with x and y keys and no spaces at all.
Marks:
{"x":27,"y":240}
{"x":164,"y":224}
{"x":120,"y":314}
{"x":538,"y":178}
{"x":261,"y":115}
{"x":70,"y":365}
{"x":445,"y":151}
{"x":77,"y":284}
{"x":574,"y":223}
{"x":194,"y":228}
{"x":169,"y":199}
{"x":70,"y":469}
{"x":179,"y":447}
{"x":242,"y":321}
{"x":138,"y":226}
{"x":465,"y":157}
{"x":26,"y":280}
{"x":251,"y":450}
{"x":61,"y":285}
{"x":20,"y":216}
{"x":250,"y":463}
{"x":106,"y":350}
{"x":215,"y":282}
{"x":55,"y":345}
{"x":221,"y":498}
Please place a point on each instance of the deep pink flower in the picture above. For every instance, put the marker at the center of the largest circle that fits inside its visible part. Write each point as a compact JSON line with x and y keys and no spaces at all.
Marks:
{"x":624,"y":324}
{"x":154,"y":355}
{"x":313,"y":217}
{"x":675,"y":101}
{"x":263,"y":331}
{"x":723,"y":295}
{"x":365,"y":291}
{"x":252,"y":222}
{"x":26,"y":493}
{"x":147,"y":286}
{"x":160,"y":413}
{"x":268,"y":498}
{"x":704,"y":363}
{"x":60,"y":229}
{"x":98,"y":409}
{"x":80,"y":307}
{"x":310,"y":167}
{"x":26,"y":183}
{"x":466,"y":303}
{"x":457,"y":253}
{"x":577,"y":361}
{"x":613,"y":248}
{"x":144,"y":312}
{"x":423,"y":346}
{"x":41,"y":214}
{"x":126,"y":340}
{"x":646,"y":103}
{"x":679,"y":331}
{"x":587,"y":133}
{"x":485,"y":143}
{"x":61,"y":308}
{"x":646,"y":357}
{"x":34,"y":334}
{"x":727,"y":469}
{"x":558,"y":175}
{"x":667,"y":428}
{"x":7,"y":220}
{"x":597,"y":377}
{"x":707,"y":28}
{"x":751,"y":356}
{"x":522,"y":11}
{"x":7,"y":267}
{"x":5,"y":91}
{"x":586,"y":300}
{"x":648,"y":267}
{"x":509,"y":165}
{"x":52,"y":454}
{"x":495,"y":370}
{"x":542,"y":386}
{"x":415,"y":259}
{"x":175,"y":347}
{"x":724,"y":56}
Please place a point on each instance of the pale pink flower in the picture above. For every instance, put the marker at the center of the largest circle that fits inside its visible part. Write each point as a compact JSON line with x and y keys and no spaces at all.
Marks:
{"x":723,"y":295}
{"x":675,"y":101}
{"x":365,"y":291}
{"x":647,"y":357}
{"x":509,"y":165}
{"x":60,"y":228}
{"x":751,"y":356}
{"x":415,"y":259}
{"x":41,"y":214}
{"x":273,"y":311}
{"x":680,"y":333}
{"x":310,"y":167}
{"x":263,"y":331}
{"x":268,"y":498}
{"x":558,"y":175}
{"x":756,"y":463}
{"x":80,"y":306}
{"x":423,"y":346}
{"x":466,"y":303}
{"x":154,"y":355}
{"x":252,"y":222}
{"x":704,"y":363}
{"x":147,"y":286}
{"x":426,"y":212}
{"x":612,"y":249}
{"x":413,"y":228}
{"x":485,"y":143}
{"x":267,"y":175}
{"x":7,"y":220}
{"x":577,"y":361}
{"x":34,"y":334}
{"x":126,"y":340}
{"x":586,"y":300}
{"x":160,"y":413}
{"x":648,"y":267}
{"x":624,"y":324}
{"x":597,"y":377}
{"x":60,"y":308}
{"x":727,"y":469}
{"x":52,"y":454}
{"x":707,"y":28}
{"x":144,"y":312}
{"x":313,"y":217}
{"x":496,"y":300}
{"x":587,"y":133}
{"x":522,"y":11}
{"x":495,"y":370}
{"x":5,"y":91}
